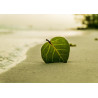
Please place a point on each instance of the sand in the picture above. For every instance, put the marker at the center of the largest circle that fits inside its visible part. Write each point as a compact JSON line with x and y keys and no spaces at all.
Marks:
{"x":82,"y":66}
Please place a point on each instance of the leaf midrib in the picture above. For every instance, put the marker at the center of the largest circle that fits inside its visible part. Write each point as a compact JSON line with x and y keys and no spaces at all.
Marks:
{"x":57,"y":52}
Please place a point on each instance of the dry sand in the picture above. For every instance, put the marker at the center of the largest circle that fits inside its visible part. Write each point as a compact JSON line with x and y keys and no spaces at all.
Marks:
{"x":82,"y":66}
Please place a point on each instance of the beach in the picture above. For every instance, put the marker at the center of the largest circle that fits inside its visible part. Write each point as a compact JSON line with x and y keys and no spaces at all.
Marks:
{"x":14,"y":44}
{"x":81,"y":67}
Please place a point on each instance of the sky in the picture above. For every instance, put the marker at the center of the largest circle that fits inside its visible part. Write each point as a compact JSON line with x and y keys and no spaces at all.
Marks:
{"x":39,"y":21}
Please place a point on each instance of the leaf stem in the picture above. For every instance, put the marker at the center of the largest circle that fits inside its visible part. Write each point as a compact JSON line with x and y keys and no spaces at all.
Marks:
{"x":48,"y":41}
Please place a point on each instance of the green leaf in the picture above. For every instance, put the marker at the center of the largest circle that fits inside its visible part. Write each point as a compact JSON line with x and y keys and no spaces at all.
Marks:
{"x":55,"y":50}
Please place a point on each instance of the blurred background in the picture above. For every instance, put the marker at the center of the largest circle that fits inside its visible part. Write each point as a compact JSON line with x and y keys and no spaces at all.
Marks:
{"x":39,"y":22}
{"x":88,"y":21}
{"x":48,"y":21}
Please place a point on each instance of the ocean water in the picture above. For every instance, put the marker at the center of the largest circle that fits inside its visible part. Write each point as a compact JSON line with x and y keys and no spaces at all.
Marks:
{"x":14,"y":44}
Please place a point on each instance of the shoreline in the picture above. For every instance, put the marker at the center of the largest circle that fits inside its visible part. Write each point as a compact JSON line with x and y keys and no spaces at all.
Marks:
{"x":23,"y":57}
{"x":81,"y":67}
{"x":19,"y":64}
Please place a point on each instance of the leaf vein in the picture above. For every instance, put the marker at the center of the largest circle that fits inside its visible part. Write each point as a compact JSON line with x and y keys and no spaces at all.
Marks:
{"x":47,"y":52}
{"x":59,"y":44}
{"x":58,"y":53}
{"x":53,"y":55}
{"x":61,"y":49}
{"x":45,"y":48}
{"x":56,"y":40}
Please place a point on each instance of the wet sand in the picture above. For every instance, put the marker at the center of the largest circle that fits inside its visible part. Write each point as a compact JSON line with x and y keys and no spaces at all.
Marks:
{"x":82,"y":66}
